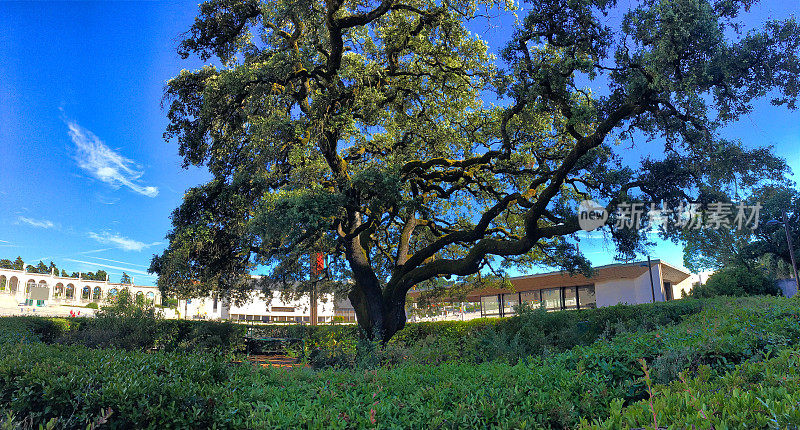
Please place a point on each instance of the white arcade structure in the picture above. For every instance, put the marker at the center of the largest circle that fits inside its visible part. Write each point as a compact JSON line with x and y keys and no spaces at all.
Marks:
{"x":37,"y":289}
{"x":48,"y":293}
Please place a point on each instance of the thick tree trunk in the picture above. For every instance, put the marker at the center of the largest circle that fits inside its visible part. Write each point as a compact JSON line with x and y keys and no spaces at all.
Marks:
{"x":378,"y":317}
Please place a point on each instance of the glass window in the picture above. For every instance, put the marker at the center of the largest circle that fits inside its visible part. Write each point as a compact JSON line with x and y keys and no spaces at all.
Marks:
{"x":490,"y":305}
{"x":667,"y":291}
{"x":586,"y":297}
{"x":551,"y":298}
{"x":570,"y":298}
{"x":510,"y":302}
{"x":532,"y":298}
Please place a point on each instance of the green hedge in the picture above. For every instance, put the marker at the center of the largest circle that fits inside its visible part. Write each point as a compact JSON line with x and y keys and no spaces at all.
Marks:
{"x":164,"y":390}
{"x":30,"y":328}
{"x":600,"y":383}
{"x":763,"y":395}
{"x":128,"y":333}
{"x":506,"y":339}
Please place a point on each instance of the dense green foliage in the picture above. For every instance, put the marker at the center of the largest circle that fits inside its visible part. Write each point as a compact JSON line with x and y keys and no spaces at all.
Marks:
{"x":131,"y":333}
{"x":17,"y":264}
{"x":765,"y":247}
{"x":737,"y":281}
{"x":733,"y":352}
{"x":359,"y":129}
{"x":755,"y":395}
{"x":507,"y":339}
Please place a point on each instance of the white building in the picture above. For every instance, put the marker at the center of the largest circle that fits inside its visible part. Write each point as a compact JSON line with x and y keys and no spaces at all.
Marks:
{"x":273,"y":309}
{"x":37,"y":289}
{"x":19,"y":288}
{"x":631,"y":283}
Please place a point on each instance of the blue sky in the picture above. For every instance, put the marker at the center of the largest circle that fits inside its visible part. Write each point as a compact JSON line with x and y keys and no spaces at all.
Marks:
{"x":86,"y":179}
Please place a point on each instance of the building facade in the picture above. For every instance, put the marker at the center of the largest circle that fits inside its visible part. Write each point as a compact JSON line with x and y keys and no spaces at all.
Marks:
{"x":37,"y":289}
{"x":270,"y":309}
{"x":631,"y":283}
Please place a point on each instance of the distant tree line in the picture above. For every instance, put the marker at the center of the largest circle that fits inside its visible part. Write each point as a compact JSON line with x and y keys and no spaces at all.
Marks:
{"x":18,"y":264}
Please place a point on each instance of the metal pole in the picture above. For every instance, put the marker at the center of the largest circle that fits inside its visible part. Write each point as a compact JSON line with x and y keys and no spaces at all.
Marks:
{"x":652,"y":286}
{"x":791,"y":250}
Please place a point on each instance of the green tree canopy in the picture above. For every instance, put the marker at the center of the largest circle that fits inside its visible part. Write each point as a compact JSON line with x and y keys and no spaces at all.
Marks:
{"x":125,"y":279}
{"x":764,"y":247}
{"x":39,"y":268}
{"x":737,"y":281}
{"x":358,"y":129}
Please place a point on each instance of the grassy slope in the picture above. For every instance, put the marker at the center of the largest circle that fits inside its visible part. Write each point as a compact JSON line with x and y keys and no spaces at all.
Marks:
{"x":601,"y":383}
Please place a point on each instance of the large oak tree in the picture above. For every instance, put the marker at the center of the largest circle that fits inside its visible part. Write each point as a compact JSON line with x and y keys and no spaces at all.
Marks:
{"x":359,"y":129}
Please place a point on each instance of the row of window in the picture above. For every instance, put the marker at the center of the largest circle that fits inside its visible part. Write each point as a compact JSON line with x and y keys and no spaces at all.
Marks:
{"x":275,"y":318}
{"x":552,"y":299}
{"x":344,"y":315}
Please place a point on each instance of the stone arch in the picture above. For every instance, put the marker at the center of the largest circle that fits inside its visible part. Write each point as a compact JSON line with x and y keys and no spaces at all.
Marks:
{"x":70,"y":292}
{"x":13,"y":284}
{"x":58,"y":292}
{"x":97,"y":293}
{"x":112,"y":293}
{"x":139,"y":297}
{"x":86,"y":292}
{"x":150,"y":297}
{"x":43,"y":284}
{"x":28,"y":285}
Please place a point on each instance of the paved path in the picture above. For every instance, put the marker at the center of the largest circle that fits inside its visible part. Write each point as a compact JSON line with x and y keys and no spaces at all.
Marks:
{"x":274,"y":361}
{"x":9,"y":307}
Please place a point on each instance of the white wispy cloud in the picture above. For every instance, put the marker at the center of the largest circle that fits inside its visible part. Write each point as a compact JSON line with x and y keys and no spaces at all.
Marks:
{"x":40,"y":223}
{"x":105,"y":164}
{"x":120,"y":241}
{"x":108,"y":266}
{"x":120,"y":262}
{"x":93,"y":251}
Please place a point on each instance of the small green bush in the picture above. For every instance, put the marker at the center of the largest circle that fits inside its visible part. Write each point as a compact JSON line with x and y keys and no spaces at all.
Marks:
{"x":754,"y":395}
{"x":737,"y":281}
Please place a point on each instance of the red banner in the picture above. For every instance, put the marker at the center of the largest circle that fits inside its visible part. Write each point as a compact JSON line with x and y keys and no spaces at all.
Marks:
{"x":318,"y":264}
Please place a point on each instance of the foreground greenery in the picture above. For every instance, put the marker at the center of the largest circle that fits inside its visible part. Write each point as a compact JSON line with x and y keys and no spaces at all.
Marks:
{"x":362,"y":130}
{"x":729,"y":363}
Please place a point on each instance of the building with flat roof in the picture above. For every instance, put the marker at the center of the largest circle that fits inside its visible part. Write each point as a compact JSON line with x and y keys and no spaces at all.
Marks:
{"x":46,"y":289}
{"x":276,"y":308}
{"x":631,"y":283}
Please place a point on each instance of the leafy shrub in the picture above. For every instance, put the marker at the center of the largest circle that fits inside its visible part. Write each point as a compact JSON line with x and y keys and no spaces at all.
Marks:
{"x":600,"y":384}
{"x":93,"y":305}
{"x":164,"y":390}
{"x":33,"y":329}
{"x":754,"y":395}
{"x":533,"y":332}
{"x":737,"y":281}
